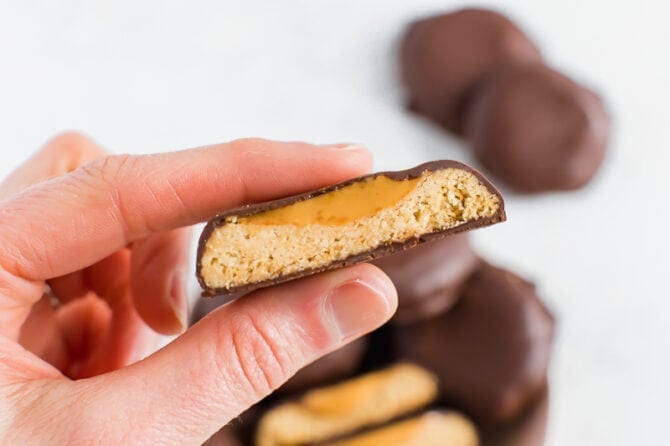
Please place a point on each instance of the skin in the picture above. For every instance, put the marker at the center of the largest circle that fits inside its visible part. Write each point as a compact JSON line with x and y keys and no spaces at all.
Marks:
{"x":93,"y":266}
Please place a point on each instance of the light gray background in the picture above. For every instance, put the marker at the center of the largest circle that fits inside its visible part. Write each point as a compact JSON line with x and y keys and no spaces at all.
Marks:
{"x":158,"y":75}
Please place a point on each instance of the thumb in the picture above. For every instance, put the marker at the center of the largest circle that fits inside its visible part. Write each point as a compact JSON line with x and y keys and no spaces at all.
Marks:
{"x":232,"y":359}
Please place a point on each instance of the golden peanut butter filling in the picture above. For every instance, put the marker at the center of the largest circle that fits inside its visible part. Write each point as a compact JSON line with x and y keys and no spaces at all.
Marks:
{"x":333,"y":411}
{"x":342,"y":206}
{"x":428,"y":429}
{"x":336,"y":225}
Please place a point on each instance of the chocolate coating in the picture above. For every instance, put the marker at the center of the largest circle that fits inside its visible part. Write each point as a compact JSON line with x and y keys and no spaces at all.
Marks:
{"x":443,"y":59}
{"x":537,"y":130}
{"x":223,"y":437}
{"x":240,"y":430}
{"x":429,"y":278}
{"x":243,"y":427}
{"x":330,"y":368}
{"x":380,"y":251}
{"x":490,"y":351}
{"x":528,"y":429}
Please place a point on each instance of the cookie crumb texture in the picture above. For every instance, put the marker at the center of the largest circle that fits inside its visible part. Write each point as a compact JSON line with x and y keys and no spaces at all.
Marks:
{"x":334,"y":226}
{"x":337,"y":410}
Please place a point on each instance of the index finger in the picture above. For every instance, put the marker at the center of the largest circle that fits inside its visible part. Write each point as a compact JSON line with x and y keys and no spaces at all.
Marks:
{"x":70,"y":222}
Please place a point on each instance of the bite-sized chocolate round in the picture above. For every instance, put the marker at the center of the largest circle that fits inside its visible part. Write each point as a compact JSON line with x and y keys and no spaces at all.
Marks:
{"x":430,"y":277}
{"x":490,"y":351}
{"x":333,"y":367}
{"x":537,"y":130}
{"x":443,"y":59}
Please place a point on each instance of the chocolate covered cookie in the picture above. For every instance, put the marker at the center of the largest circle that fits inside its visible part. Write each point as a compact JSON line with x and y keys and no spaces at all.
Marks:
{"x":444,"y":58}
{"x":537,"y":130}
{"x":490,"y":351}
{"x":359,"y":220}
{"x":430,"y":277}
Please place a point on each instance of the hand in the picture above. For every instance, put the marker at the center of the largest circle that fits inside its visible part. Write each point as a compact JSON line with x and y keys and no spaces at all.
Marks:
{"x":92,"y":266}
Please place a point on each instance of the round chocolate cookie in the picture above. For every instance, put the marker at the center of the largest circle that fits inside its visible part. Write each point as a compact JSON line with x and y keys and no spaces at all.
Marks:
{"x":443,"y":58}
{"x":490,"y":351}
{"x":537,"y":130}
{"x":332,"y":367}
{"x":430,"y":277}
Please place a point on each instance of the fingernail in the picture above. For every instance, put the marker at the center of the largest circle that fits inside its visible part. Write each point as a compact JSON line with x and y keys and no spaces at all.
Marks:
{"x":177,"y":298}
{"x":343,"y":146}
{"x":359,"y":306}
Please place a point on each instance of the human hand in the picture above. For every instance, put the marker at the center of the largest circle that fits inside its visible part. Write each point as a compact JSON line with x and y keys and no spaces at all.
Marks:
{"x":106,"y":234}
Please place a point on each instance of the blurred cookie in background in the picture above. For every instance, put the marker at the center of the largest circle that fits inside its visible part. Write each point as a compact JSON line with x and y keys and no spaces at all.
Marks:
{"x":528,"y":429}
{"x":477,"y":74}
{"x":445,"y":57}
{"x":491,"y":351}
{"x":538,"y":130}
{"x":429,"y":278}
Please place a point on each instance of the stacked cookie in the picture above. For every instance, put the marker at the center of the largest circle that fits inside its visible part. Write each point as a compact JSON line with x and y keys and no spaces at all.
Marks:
{"x":475,"y":73}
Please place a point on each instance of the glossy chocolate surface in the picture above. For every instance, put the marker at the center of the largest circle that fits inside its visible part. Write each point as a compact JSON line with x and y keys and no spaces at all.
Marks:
{"x":490,"y":351}
{"x":444,"y":58}
{"x":537,"y":130}
{"x":429,"y":278}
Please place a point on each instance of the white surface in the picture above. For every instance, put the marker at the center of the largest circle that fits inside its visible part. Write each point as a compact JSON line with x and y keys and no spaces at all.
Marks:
{"x":157,"y":75}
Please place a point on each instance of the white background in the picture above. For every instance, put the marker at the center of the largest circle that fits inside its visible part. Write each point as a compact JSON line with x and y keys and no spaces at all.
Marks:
{"x":158,"y":75}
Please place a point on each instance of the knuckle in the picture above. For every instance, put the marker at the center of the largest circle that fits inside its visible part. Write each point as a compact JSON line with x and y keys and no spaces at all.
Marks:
{"x":94,"y":177}
{"x":110,"y":169}
{"x":113,"y":176}
{"x":257,"y":360}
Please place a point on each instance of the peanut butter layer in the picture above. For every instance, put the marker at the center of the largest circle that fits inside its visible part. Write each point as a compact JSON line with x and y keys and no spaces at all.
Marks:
{"x":340,"y":409}
{"x":429,"y":429}
{"x":340,"y":207}
{"x":355,"y":221}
